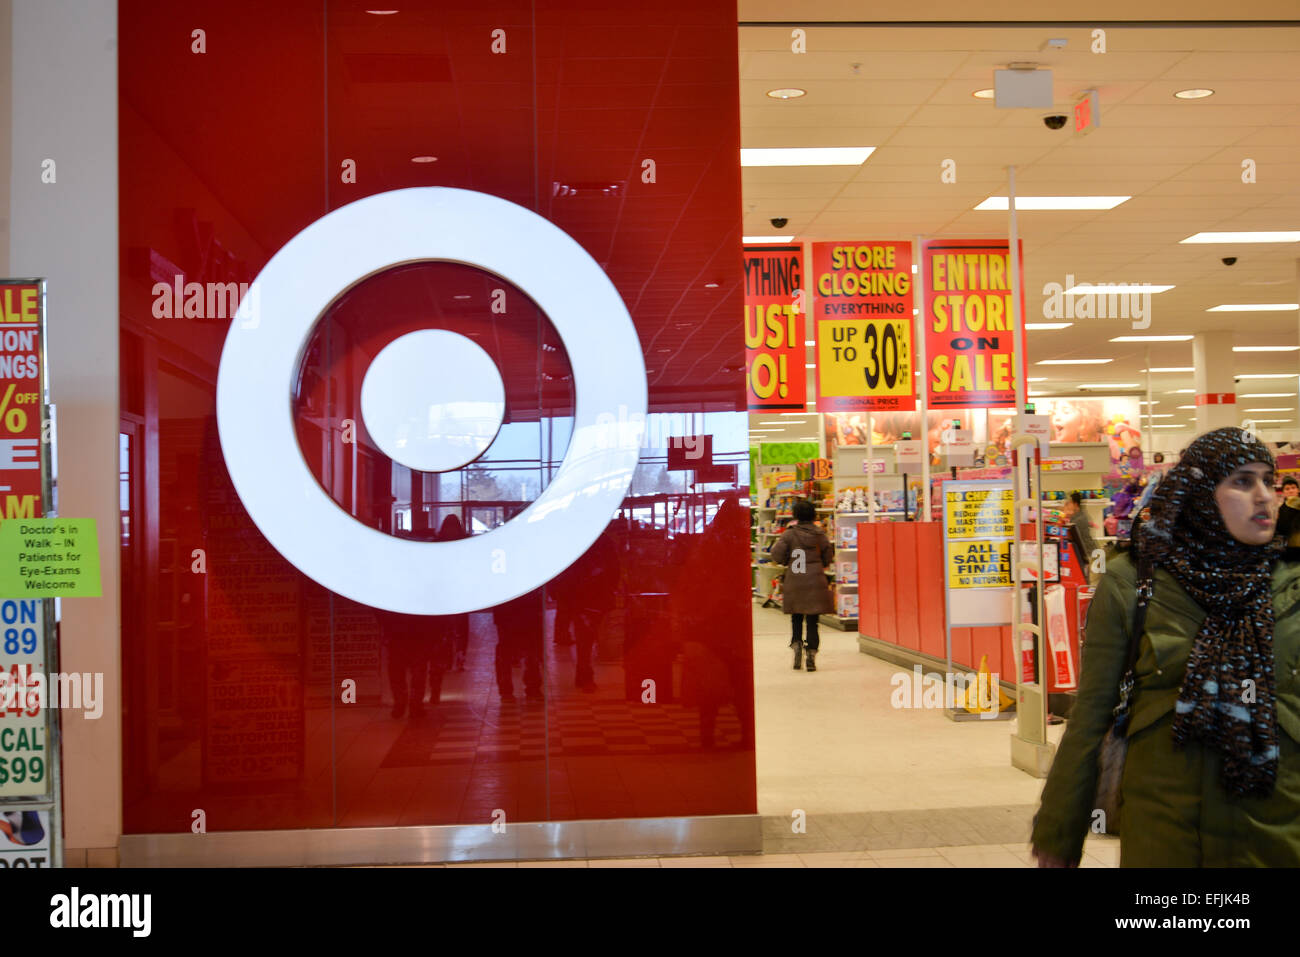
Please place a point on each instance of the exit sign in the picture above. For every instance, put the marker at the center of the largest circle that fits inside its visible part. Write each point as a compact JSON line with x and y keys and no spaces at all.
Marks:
{"x":1087,"y":113}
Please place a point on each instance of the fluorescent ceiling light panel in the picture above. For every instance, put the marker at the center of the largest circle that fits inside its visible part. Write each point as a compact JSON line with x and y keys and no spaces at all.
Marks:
{"x":1186,"y":406}
{"x":1268,"y":375}
{"x":1171,"y":426}
{"x":1267,"y":395}
{"x":1265,"y":348}
{"x":1108,"y":385}
{"x":1152,"y":402}
{"x":756,"y":240}
{"x":1151,"y":338}
{"x":1272,"y":408}
{"x":1072,"y":362}
{"x":1112,"y":289}
{"x":806,"y":156}
{"x":1049,"y":326}
{"x":1272,"y":420}
{"x":1255,"y":307}
{"x":1161,"y":415}
{"x":1169,"y":369}
{"x":1259,"y":236}
{"x":1182,"y":392}
{"x":1053,"y":202}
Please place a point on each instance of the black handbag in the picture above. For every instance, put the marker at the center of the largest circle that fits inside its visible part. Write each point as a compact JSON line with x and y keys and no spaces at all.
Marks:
{"x":1114,"y":747}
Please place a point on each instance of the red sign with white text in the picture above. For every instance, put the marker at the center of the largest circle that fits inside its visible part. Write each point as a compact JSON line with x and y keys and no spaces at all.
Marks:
{"x":20,"y":400}
{"x":969,"y":331}
{"x":774,"y":328}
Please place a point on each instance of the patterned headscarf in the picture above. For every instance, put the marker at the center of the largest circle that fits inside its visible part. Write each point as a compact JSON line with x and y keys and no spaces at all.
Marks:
{"x":1227,"y":698}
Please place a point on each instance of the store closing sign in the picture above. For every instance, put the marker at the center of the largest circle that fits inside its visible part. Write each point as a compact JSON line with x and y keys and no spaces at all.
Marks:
{"x":863,"y":308}
{"x":977,"y":532}
{"x":969,"y":324}
{"x":774,"y":328}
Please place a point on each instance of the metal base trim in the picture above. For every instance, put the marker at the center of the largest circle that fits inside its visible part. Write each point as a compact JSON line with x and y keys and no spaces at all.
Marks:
{"x":543,"y":840}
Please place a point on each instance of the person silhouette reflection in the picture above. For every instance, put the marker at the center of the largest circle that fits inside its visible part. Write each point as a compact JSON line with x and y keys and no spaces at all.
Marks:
{"x":519,"y":625}
{"x":585,"y":593}
{"x":454,"y":628}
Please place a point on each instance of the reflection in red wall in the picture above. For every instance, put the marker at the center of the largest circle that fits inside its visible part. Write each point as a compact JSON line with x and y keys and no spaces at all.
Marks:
{"x":624,"y":687}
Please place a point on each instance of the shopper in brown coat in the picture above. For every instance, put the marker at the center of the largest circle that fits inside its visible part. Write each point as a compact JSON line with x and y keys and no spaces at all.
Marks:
{"x":805,"y":594}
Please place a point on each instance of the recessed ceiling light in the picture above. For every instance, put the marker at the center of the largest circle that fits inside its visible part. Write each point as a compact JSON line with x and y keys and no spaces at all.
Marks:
{"x":1111,"y":289}
{"x":1267,"y":395}
{"x":1109,"y":385}
{"x":1048,"y":326}
{"x":1053,"y":202}
{"x":759,"y":240}
{"x":1260,"y":236}
{"x":1255,"y":307}
{"x":1151,"y":338}
{"x":1272,"y":408}
{"x":423,"y":159}
{"x":786,"y":93}
{"x":1268,"y":375}
{"x":1265,"y":348}
{"x":1072,"y":362}
{"x":1194,"y":94}
{"x":806,"y":156}
{"x":1169,"y":369}
{"x":984,"y":94}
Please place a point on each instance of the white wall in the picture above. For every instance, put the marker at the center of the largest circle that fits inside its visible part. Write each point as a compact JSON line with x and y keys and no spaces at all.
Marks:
{"x":64,"y":88}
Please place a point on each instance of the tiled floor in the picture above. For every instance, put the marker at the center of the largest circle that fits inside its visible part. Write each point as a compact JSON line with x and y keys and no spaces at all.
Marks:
{"x":847,"y":780}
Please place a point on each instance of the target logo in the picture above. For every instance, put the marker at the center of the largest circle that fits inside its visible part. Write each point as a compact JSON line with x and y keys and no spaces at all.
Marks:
{"x":433,"y":400}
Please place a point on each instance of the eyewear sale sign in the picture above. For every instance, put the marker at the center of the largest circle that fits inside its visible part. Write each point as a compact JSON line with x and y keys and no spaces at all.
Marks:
{"x":969,"y":331}
{"x":774,"y":328}
{"x":863,"y":310}
{"x":978,"y":529}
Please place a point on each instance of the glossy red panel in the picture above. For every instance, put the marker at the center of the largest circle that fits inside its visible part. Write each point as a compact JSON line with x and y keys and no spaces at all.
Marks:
{"x":623,"y":687}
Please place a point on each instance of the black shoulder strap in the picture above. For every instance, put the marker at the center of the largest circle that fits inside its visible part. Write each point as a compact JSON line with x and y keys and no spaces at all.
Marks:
{"x":1145,"y":584}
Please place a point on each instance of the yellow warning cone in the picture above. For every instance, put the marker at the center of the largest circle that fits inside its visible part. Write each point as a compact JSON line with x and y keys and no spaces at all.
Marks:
{"x":975,"y":697}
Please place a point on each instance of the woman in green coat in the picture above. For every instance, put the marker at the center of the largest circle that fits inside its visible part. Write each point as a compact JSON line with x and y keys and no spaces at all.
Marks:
{"x":1212,"y":776}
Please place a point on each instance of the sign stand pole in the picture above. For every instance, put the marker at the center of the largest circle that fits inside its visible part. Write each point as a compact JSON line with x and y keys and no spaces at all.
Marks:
{"x":918,"y":336}
{"x":1030,"y":750}
{"x":871,"y":469}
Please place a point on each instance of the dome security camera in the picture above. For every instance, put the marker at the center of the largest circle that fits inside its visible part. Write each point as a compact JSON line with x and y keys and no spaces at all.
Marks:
{"x":1055,"y":121}
{"x":1229,"y":260}
{"x":778,"y":222}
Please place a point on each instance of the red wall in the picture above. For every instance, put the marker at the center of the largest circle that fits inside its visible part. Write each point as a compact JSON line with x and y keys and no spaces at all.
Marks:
{"x":901,"y":599}
{"x":234,"y":661}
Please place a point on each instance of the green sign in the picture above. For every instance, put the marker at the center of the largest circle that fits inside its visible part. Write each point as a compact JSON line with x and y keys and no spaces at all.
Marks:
{"x":787,"y":453}
{"x":49,"y":558}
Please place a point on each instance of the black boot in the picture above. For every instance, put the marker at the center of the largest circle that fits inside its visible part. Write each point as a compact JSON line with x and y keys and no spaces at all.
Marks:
{"x":812,"y":660}
{"x":798,"y":654}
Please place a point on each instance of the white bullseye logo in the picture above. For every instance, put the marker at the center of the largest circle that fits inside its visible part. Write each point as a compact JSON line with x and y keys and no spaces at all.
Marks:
{"x":432,"y":400}
{"x":433,"y":421}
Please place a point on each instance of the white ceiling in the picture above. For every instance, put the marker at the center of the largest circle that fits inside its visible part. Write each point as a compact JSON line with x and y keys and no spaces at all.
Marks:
{"x":906,"y":90}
